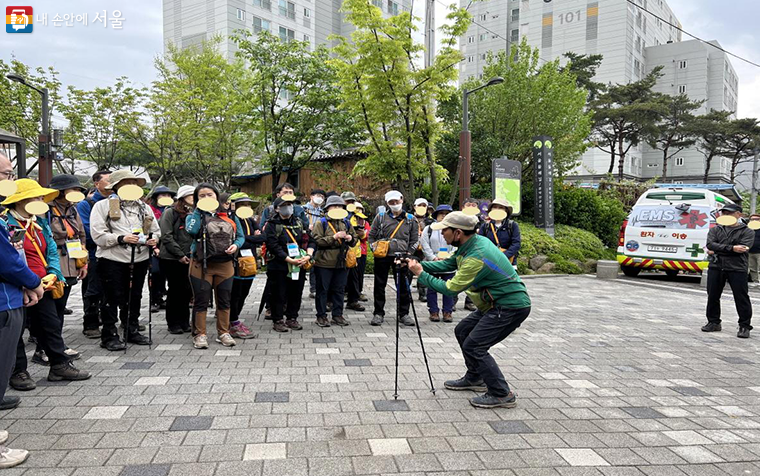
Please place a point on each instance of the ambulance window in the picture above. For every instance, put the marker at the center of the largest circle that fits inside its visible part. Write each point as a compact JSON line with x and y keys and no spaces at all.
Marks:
{"x":676,"y":196}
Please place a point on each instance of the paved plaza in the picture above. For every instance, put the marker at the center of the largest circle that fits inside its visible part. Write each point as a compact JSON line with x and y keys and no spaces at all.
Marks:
{"x":613,"y":378}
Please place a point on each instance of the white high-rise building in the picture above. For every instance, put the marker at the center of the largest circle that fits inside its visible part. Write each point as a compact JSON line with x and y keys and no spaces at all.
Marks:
{"x":189,"y":22}
{"x":632,"y":42}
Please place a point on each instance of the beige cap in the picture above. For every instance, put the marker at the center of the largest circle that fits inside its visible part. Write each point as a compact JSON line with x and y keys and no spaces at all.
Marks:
{"x":500,"y":201}
{"x":456,"y":220}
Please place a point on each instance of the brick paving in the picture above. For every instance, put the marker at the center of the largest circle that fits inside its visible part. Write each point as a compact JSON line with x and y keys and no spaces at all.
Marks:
{"x":613,"y":378}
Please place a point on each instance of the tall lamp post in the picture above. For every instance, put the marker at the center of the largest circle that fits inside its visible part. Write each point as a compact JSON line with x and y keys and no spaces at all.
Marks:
{"x":45,"y":162}
{"x":465,"y":142}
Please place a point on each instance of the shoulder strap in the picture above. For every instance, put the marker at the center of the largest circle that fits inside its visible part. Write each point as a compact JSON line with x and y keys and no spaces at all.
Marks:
{"x":430,"y":232}
{"x":495,"y":235}
{"x":401,"y":222}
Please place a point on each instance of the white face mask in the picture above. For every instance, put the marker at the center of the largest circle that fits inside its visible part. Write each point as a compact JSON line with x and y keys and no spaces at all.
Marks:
{"x":318,"y":200}
{"x":396,"y":208}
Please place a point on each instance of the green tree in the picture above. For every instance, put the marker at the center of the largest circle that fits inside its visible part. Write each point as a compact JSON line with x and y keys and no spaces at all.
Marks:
{"x":584,"y":67}
{"x":622,"y":114}
{"x":392,"y":97}
{"x":712,"y":130}
{"x":740,"y":142}
{"x":295,"y":99}
{"x":675,"y":130}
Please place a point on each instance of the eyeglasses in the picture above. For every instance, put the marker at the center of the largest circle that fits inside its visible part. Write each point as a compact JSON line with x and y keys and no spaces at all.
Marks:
{"x":8,"y":175}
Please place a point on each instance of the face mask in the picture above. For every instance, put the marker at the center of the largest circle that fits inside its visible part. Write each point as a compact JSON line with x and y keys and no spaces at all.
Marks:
{"x":318,"y":200}
{"x":456,"y":243}
{"x":286,"y":210}
{"x":395,"y":208}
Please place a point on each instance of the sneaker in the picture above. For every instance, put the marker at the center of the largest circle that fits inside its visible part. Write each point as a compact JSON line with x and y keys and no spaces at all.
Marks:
{"x":489,"y":401}
{"x":40,"y":358}
{"x":340,"y":321}
{"x":113,"y":345}
{"x":279,"y":326}
{"x":406,"y":320}
{"x":464,"y":384}
{"x":323,"y":322}
{"x":67,"y":311}
{"x":293,"y":324}
{"x":447,"y":317}
{"x":240,"y":331}
{"x":22,"y":381}
{"x":72,"y":354}
{"x":175,"y":330}
{"x":711,"y":327}
{"x":3,"y":437}
{"x":67,"y":371}
{"x":363,"y":298}
{"x":91,"y":333}
{"x":9,"y":403}
{"x":200,"y":341}
{"x":377,"y":320}
{"x":226,"y":340}
{"x":743,"y":333}
{"x":355,"y":306}
{"x":435,"y":317}
{"x":10,"y":458}
{"x":470,"y":307}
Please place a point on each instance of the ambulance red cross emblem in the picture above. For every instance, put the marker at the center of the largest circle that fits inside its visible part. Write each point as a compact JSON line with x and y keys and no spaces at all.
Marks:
{"x":693,"y":219}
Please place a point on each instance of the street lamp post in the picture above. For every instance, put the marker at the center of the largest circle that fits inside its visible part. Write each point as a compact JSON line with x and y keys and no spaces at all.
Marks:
{"x":45,"y":162}
{"x":465,"y":142}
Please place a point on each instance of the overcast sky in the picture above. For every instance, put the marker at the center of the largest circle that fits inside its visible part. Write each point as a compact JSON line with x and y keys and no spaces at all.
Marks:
{"x":90,"y":56}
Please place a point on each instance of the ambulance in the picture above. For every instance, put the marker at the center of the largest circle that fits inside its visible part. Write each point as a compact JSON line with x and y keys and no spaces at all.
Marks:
{"x":667,"y":230}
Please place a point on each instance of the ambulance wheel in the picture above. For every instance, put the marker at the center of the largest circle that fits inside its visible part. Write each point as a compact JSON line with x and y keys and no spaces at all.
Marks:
{"x":630,"y":271}
{"x":672,"y":273}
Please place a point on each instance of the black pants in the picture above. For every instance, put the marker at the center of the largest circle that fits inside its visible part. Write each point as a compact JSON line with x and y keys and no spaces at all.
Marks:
{"x":157,"y":281}
{"x":716,"y":281}
{"x":114,"y":278}
{"x":355,"y":281}
{"x":331,"y":284}
{"x":382,"y":266}
{"x":282,"y":291}
{"x":240,"y":290}
{"x":476,"y":334}
{"x":92,"y":297}
{"x":11,"y":328}
{"x":178,"y":294}
{"x":45,"y":326}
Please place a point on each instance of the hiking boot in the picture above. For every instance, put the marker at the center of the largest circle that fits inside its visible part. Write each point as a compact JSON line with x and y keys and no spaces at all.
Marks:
{"x":72,"y":354}
{"x":279,"y":326}
{"x":226,"y":340}
{"x":293,"y":324}
{"x":40,"y":358}
{"x":138,"y":339}
{"x":10,"y":458}
{"x":447,"y":317}
{"x":323,"y":322}
{"x":712,"y":327}
{"x":464,"y":384}
{"x":200,"y":341}
{"x":406,"y":320}
{"x":489,"y":401}
{"x":240,"y":331}
{"x":377,"y":320}
{"x":363,"y":298}
{"x":91,"y":333}
{"x":9,"y":403}
{"x":67,"y":371}
{"x":22,"y":381}
{"x":175,"y":330}
{"x":67,"y":311}
{"x":470,"y":307}
{"x":339,"y":320}
{"x":435,"y":317}
{"x":113,"y":345}
{"x":743,"y":333}
{"x":355,"y":306}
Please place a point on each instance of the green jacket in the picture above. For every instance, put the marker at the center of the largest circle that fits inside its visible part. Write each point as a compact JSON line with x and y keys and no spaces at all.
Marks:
{"x":328,"y":248}
{"x":482,"y":271}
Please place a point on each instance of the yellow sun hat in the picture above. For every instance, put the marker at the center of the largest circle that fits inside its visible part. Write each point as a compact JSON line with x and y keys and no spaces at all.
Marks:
{"x":28,"y":188}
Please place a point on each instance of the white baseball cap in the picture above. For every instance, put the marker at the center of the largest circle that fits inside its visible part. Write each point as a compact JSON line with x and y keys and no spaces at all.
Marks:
{"x":185,"y":191}
{"x":421,"y":201}
{"x":393,"y":195}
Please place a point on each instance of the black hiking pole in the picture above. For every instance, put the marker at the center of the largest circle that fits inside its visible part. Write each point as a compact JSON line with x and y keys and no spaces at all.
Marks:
{"x":419,"y":333}
{"x":128,"y":317}
{"x":150,"y":308}
{"x":396,"y":274}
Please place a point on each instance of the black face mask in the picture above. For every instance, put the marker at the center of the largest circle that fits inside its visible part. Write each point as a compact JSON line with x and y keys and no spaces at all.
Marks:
{"x":456,"y":243}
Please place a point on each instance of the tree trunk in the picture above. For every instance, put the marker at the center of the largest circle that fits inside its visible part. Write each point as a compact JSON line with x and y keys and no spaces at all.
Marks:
{"x":612,"y":159}
{"x":409,"y":171}
{"x":433,"y":175}
{"x":455,"y":184}
{"x":621,"y":160}
{"x":665,"y":163}
{"x":708,"y":163}
{"x":275,"y":179}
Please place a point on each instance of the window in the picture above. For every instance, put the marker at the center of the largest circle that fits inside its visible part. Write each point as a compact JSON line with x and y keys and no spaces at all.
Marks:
{"x":470,"y":59}
{"x":307,"y":13}
{"x":483,"y":36}
{"x":378,"y":3}
{"x":483,"y":56}
{"x":471,"y":39}
{"x":483,"y":17}
{"x":307,"y":38}
{"x":683,"y":64}
{"x":515,"y":14}
{"x":260,"y":24}
{"x":265,"y":4}
{"x":514,"y":35}
{"x":392,"y":7}
{"x":678,"y":182}
{"x":287,"y":9}
{"x":682,"y":89}
{"x":241,"y":14}
{"x":286,"y":34}
{"x":679,"y":161}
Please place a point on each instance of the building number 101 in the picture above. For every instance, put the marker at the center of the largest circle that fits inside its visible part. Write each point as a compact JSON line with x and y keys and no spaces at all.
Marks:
{"x":569,"y":17}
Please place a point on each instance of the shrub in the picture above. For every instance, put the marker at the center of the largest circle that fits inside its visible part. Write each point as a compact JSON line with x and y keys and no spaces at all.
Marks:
{"x":591,"y":211}
{"x":568,"y":244}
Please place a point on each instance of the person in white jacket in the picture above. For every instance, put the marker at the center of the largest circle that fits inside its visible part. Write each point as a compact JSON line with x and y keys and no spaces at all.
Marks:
{"x":435,"y":248}
{"x":126,"y":233}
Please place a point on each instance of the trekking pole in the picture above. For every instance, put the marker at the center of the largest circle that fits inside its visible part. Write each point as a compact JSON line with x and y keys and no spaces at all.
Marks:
{"x":419,"y":333}
{"x":125,"y":322}
{"x":150,"y":307}
{"x":396,"y":274}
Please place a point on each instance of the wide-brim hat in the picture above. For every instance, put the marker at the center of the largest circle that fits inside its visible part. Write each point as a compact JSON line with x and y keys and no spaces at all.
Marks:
{"x":162,"y":189}
{"x":335,"y":200}
{"x":501,"y":202}
{"x":348,"y":196}
{"x":66,"y":182}
{"x":28,"y":188}
{"x":121,"y":175}
{"x":442,"y":208}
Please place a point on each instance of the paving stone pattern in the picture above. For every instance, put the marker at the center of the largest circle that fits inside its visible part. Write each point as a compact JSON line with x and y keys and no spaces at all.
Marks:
{"x":613,"y":378}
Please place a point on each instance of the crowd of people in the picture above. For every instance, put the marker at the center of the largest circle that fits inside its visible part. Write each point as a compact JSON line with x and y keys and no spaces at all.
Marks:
{"x":198,"y":244}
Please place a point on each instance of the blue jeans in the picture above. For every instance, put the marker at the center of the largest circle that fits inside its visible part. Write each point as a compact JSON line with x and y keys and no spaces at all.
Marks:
{"x":480,"y":331}
{"x":432,"y":298}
